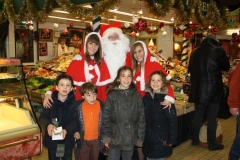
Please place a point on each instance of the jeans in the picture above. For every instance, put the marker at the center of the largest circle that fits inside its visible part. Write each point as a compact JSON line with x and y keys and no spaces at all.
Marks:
{"x":156,"y":158}
{"x":234,"y":153}
{"x":212,"y":110}
{"x":52,"y":154}
{"x":114,"y":154}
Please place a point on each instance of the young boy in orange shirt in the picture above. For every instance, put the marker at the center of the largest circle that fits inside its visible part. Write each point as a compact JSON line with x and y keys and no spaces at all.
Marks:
{"x":90,"y":116}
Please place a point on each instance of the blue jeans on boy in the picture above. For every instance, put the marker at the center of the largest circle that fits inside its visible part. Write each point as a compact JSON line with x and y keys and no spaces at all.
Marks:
{"x":234,"y":153}
{"x":52,"y":154}
{"x":114,"y":154}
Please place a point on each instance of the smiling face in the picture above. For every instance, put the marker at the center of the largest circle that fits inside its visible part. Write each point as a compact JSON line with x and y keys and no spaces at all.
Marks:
{"x":156,"y":82}
{"x":139,"y":54}
{"x":64,"y":87}
{"x":125,"y":79}
{"x":92,"y":48}
{"x":90,"y":97}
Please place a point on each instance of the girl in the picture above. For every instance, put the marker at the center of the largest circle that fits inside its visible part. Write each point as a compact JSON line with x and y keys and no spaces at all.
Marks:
{"x":123,"y":124}
{"x":161,"y":124}
{"x":143,"y":65}
{"x":88,"y":67}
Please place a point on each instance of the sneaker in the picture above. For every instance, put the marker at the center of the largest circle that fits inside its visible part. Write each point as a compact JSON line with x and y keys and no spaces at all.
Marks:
{"x":218,"y":147}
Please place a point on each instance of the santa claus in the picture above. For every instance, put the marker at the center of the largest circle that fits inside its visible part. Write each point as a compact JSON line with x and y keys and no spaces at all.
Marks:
{"x":115,"y":47}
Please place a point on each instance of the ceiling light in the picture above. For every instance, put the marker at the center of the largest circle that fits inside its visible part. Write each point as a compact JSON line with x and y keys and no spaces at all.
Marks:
{"x":69,"y":19}
{"x":172,"y":19}
{"x":60,"y":11}
{"x":115,"y":8}
{"x":140,"y":11}
{"x":119,"y":20}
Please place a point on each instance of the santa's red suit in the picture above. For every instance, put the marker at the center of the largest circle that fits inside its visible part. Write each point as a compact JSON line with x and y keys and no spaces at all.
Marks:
{"x":82,"y":72}
{"x":150,"y":65}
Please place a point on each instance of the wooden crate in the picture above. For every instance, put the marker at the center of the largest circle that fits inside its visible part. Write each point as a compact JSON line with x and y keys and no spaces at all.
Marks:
{"x":37,"y":97}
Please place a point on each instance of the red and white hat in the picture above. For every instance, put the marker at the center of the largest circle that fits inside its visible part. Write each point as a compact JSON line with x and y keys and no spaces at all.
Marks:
{"x":110,"y":28}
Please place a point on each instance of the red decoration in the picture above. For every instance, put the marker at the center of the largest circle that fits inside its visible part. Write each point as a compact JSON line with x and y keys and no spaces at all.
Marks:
{"x":177,"y":32}
{"x":214,"y":30}
{"x":162,"y":24}
{"x":71,"y":24}
{"x":133,"y":34}
{"x":141,"y":25}
{"x":188,"y":34}
{"x":65,"y":31}
{"x":46,"y":31}
{"x":234,"y":36}
{"x":192,"y":25}
{"x":80,"y":31}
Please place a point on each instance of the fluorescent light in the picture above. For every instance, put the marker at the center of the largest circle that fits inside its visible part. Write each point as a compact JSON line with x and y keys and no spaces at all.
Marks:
{"x":119,"y":20}
{"x":60,"y":11}
{"x":69,"y":19}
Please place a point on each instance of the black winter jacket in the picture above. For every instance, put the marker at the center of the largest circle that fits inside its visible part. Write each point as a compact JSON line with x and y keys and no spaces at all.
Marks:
{"x":67,"y":116}
{"x":205,"y":67}
{"x":123,"y":125}
{"x":161,"y":127}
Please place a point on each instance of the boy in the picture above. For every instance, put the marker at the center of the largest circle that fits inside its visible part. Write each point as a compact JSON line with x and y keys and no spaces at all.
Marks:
{"x":90,"y":115}
{"x":63,"y":113}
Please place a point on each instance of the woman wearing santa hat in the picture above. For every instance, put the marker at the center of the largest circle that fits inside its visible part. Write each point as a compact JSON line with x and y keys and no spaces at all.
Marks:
{"x":89,"y":67}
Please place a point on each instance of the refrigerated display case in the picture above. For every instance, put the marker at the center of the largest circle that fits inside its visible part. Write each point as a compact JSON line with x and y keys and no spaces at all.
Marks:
{"x":20,"y":132}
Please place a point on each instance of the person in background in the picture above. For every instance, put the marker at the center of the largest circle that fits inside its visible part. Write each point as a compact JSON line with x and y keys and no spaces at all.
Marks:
{"x":158,"y":142}
{"x":123,"y":124}
{"x":234,"y":104}
{"x":143,"y":64}
{"x":61,"y":47}
{"x":205,"y":67}
{"x":63,"y":113}
{"x":89,"y":67}
{"x":90,"y":115}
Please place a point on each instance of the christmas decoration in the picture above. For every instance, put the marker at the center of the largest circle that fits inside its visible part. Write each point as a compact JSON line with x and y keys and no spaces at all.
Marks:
{"x":192,"y":25}
{"x":80,"y":30}
{"x":96,"y":24}
{"x":126,"y":24}
{"x":141,"y":25}
{"x":204,"y":33}
{"x":159,"y":10}
{"x":164,"y":33}
{"x":162,"y":29}
{"x":161,"y":24}
{"x":137,"y":34}
{"x":31,"y":28}
{"x":177,"y":32}
{"x":188,"y":34}
{"x":71,"y":24}
{"x":55,"y":26}
{"x":65,"y":31}
{"x":184,"y":57}
{"x":182,"y":27}
{"x":133,"y":34}
{"x":46,"y":30}
{"x":214,"y":30}
{"x":135,"y":19}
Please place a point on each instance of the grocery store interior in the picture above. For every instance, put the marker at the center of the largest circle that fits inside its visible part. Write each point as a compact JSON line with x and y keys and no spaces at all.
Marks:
{"x":32,"y":56}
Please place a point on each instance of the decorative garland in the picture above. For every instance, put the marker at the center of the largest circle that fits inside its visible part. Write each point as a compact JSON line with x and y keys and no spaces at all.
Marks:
{"x":3,"y":18}
{"x":10,"y":12}
{"x":213,"y":15}
{"x":98,"y":9}
{"x":39,"y":16}
{"x":159,"y":9}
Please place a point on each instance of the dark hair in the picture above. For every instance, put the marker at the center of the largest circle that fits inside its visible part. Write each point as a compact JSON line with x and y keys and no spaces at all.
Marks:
{"x":135,"y":65}
{"x":116,"y":83}
{"x":61,"y":38}
{"x":162,"y":75}
{"x":64,"y":76}
{"x":88,"y":87}
{"x":98,"y":55}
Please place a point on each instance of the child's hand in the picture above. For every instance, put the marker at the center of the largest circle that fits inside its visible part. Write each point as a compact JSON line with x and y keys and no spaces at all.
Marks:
{"x":64,"y":132}
{"x":47,"y":101}
{"x":170,"y":145}
{"x":50,"y":129}
{"x":106,"y":145}
{"x":166,"y":103}
{"x":76,"y":135}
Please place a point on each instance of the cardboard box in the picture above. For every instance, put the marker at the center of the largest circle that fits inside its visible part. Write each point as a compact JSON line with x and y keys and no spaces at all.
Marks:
{"x":179,"y":109}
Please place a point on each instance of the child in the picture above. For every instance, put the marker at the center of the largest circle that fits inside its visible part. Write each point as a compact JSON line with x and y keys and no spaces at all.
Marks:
{"x":63,"y":113}
{"x":123,"y":116}
{"x":61,"y":47}
{"x":89,"y":67}
{"x":90,"y":115}
{"x":161,"y":124}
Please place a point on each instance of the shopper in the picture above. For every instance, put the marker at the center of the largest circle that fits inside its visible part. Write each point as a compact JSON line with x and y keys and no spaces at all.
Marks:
{"x":63,"y":113}
{"x":61,"y":47}
{"x":161,"y":124}
{"x":234,"y":104}
{"x":89,"y":67}
{"x":90,"y":115}
{"x":143,"y":64}
{"x":205,"y":66}
{"x":123,"y":117}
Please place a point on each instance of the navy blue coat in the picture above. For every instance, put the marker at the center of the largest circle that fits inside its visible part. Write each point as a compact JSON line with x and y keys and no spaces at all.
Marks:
{"x":161,"y":127}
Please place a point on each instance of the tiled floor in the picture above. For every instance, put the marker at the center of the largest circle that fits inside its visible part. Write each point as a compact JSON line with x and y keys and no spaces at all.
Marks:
{"x":186,"y":151}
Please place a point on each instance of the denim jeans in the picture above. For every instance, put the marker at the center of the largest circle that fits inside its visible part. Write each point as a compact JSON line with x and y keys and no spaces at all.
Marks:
{"x":212,"y":110}
{"x":234,"y":153}
{"x":52,"y":154}
{"x":114,"y":154}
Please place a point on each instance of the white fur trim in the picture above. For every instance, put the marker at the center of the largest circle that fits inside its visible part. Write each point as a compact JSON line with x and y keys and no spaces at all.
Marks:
{"x":78,"y":83}
{"x":49,"y":93}
{"x":144,"y":49}
{"x":97,"y":72}
{"x":104,"y":82}
{"x":91,"y":76}
{"x":168,"y":77}
{"x":138,"y":78}
{"x":153,"y":59}
{"x":171,"y":99}
{"x":142,"y":80}
{"x":77,"y":57}
{"x":112,"y":30}
{"x":86,"y":72}
{"x":90,"y":67}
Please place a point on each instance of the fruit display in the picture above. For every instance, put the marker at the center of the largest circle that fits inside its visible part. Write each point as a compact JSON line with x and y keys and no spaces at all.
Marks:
{"x":41,"y":72}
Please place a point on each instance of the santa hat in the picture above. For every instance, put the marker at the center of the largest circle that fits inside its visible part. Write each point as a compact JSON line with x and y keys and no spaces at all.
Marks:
{"x":110,"y":28}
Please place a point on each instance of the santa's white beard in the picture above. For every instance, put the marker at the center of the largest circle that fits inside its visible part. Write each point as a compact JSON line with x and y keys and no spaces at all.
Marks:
{"x":114,"y":53}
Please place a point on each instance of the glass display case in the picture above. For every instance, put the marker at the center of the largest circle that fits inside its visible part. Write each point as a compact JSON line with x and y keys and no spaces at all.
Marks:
{"x":20,"y":133}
